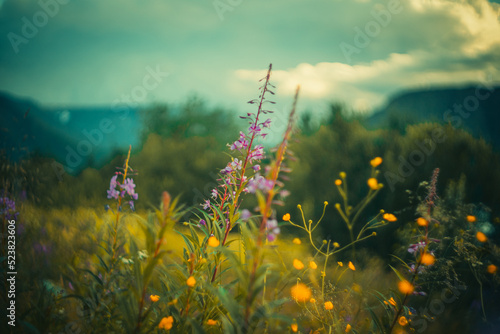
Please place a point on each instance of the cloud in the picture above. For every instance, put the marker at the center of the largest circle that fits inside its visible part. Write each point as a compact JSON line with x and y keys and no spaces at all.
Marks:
{"x":460,"y":45}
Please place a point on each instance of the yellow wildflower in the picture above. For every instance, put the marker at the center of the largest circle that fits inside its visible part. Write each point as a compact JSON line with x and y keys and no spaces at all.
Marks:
{"x":471,"y":218}
{"x":481,"y":236}
{"x":211,"y":322}
{"x":348,"y":328}
{"x":328,"y":306}
{"x":213,"y":242}
{"x":389,"y":217}
{"x":402,"y":321}
{"x":392,"y":302}
{"x":405,"y":287}
{"x":492,"y":269}
{"x":166,"y":323}
{"x":297,"y":264}
{"x":312,"y":300}
{"x":351,"y":266}
{"x":372,"y":183}
{"x":286,"y":217}
{"x":296,"y":241}
{"x":422,"y":222}
{"x":295,"y":328}
{"x":427,"y":259}
{"x":154,"y":298}
{"x":338,"y":182}
{"x":376,"y":161}
{"x":340,"y":264}
{"x":300,"y":292}
{"x":191,"y":281}
{"x":313,"y":265}
{"x":336,"y":244}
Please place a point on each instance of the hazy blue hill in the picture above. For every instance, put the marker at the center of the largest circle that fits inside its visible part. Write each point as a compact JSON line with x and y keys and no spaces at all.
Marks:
{"x":438,"y":105}
{"x":56,"y":131}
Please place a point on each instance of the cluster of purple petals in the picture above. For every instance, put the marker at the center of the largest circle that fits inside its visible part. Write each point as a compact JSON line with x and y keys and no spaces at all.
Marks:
{"x":272,"y":229}
{"x":8,"y":208}
{"x":117,"y":190}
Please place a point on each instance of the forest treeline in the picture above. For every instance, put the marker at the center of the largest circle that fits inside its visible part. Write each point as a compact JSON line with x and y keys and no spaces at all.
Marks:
{"x":183,"y":152}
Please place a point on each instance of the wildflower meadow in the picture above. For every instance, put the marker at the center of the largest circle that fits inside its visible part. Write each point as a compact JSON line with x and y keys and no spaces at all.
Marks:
{"x":257,"y":251}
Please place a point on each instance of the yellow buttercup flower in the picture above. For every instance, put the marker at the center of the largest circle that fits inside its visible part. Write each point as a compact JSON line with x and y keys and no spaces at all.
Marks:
{"x":481,"y":236}
{"x":300,"y":292}
{"x":372,"y":183}
{"x":403,"y":321}
{"x":166,"y":323}
{"x":389,"y":217}
{"x":427,"y":259}
{"x":340,"y":264}
{"x":312,"y":300}
{"x":211,"y":322}
{"x":191,"y":281}
{"x":154,"y":298}
{"x":295,"y":328}
{"x":313,"y":265}
{"x":296,"y":241}
{"x":286,"y":217}
{"x":336,"y":245}
{"x":297,"y":264}
{"x":351,"y":266}
{"x":471,"y":218}
{"x":213,"y":242}
{"x":338,"y":182}
{"x":376,"y":161}
{"x":328,"y":306}
{"x":422,"y":222}
{"x":348,"y":328}
{"x":405,"y":287}
{"x":492,"y":269}
{"x":392,"y":302}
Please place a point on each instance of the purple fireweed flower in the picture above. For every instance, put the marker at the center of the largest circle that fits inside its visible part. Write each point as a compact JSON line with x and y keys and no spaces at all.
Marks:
{"x":256,"y":168}
{"x":214,"y":193}
{"x":245,"y":214}
{"x":8,"y":208}
{"x":284,"y":193}
{"x":113,"y":193}
{"x":113,"y":183}
{"x":415,"y":247}
{"x":256,"y":154}
{"x":129,"y":186}
{"x":240,"y":144}
{"x":206,"y":204}
{"x":259,"y":183}
{"x":202,"y":222}
{"x":254,"y":129}
{"x":267,"y":123}
{"x":421,"y":269}
{"x":131,"y":204}
{"x":236,"y":164}
{"x":273,"y":229}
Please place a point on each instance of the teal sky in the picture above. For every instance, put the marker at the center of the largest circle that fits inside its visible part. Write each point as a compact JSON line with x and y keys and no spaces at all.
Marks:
{"x":94,"y":52}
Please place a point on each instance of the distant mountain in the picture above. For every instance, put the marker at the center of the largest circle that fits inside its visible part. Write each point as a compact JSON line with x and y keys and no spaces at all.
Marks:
{"x":475,"y":109}
{"x":73,"y":136}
